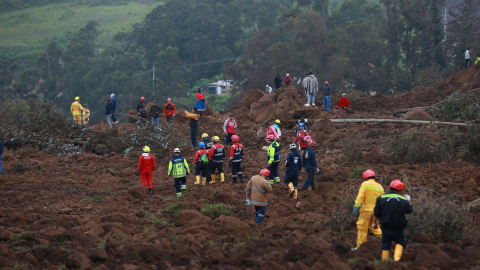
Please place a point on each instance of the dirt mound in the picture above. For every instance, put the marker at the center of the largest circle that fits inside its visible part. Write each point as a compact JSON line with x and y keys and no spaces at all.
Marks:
{"x":418,"y":114}
{"x":250,"y":97}
{"x":466,"y":75}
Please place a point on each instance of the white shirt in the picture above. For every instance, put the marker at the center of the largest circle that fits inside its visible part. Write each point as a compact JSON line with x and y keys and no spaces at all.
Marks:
{"x":269,"y":90}
{"x":467,"y":54}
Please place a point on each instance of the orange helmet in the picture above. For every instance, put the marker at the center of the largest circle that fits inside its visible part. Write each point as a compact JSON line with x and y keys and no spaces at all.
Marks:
{"x":265,"y":172}
{"x":270,"y":138}
{"x":397,"y":184}
{"x":368,"y":174}
{"x":142,"y":99}
{"x":235,"y":138}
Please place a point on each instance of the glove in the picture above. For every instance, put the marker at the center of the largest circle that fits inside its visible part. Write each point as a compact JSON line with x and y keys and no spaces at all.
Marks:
{"x":356,"y":212}
{"x":375,"y":226}
{"x":407,"y":197}
{"x":318,"y":169}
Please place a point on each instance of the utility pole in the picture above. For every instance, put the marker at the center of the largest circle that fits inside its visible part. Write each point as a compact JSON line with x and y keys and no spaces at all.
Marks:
{"x":445,"y":24}
{"x":153,"y":81}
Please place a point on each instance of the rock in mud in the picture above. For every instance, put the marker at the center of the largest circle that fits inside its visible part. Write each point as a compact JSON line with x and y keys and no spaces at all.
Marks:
{"x":78,"y":260}
{"x":187,"y":216}
{"x":418,"y":114}
{"x":99,"y":255}
{"x":232,"y":225}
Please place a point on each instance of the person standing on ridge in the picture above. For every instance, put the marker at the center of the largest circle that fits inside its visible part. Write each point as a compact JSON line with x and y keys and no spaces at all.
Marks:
{"x":114,"y":108}
{"x":178,"y":166}
{"x":1,"y":157}
{"x":201,"y":164}
{"x":301,"y":138}
{"x":271,"y":131}
{"x":257,"y":189}
{"x":229,"y":129}
{"x":327,"y":94}
{"x":309,"y":164}
{"x":108,"y":112}
{"x":146,"y":166}
{"x":390,"y":210}
{"x":294,"y":165}
{"x":277,"y":128}
{"x":236,"y":156}
{"x":142,"y":113}
{"x":288,"y":79}
{"x":155,"y":112}
{"x":142,"y":102}
{"x":194,"y":116}
{"x":217,"y":155}
{"x":86,"y":115}
{"x":278,"y":81}
{"x":208,"y":145}
{"x":364,"y":204}
{"x":305,"y":84}
{"x":343,"y":102}
{"x":169,"y":110}
{"x":312,"y":89}
{"x":467,"y":57}
{"x":273,"y":154}
{"x":200,"y":105}
{"x":76,"y":110}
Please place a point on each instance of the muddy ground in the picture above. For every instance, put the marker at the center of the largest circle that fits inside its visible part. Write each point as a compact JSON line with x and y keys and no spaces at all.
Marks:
{"x":85,"y":211}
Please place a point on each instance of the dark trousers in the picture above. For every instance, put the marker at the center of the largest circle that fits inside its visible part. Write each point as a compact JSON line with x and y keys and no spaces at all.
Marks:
{"x":237,"y":171}
{"x":466,"y":62}
{"x":273,"y":168}
{"x":389,"y":235}
{"x":209,"y":174}
{"x":228,"y":139}
{"x":200,"y":167}
{"x":169,"y":118}
{"x":309,"y":181}
{"x":216,"y":165}
{"x":260,"y":213}
{"x":291,"y":177}
{"x":193,"y":135}
{"x":115,"y":119}
{"x":180,"y":184}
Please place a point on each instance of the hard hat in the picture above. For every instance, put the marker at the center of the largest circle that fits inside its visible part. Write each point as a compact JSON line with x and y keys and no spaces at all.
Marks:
{"x":146,"y":149}
{"x":201,"y":145}
{"x":313,"y":144}
{"x":293,"y":146}
{"x":368,"y":174}
{"x":112,"y":95}
{"x":265,"y":172}
{"x":176,"y":151}
{"x":266,"y":86}
{"x":270,"y":138}
{"x":344,"y":94}
{"x":235,"y":138}
{"x":277,"y":121}
{"x":216,"y":139}
{"x":397,"y":184}
{"x":108,"y":99}
{"x":302,"y":118}
{"x":288,"y":74}
{"x":205,"y":135}
{"x":169,"y":100}
{"x":142,"y":99}
{"x":77,"y":98}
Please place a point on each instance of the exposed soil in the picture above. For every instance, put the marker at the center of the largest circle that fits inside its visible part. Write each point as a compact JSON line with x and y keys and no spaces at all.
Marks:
{"x":91,"y":212}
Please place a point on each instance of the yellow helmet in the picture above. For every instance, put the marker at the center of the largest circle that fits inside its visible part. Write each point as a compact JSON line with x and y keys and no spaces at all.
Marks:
{"x":77,"y":98}
{"x":277,"y":121}
{"x":216,"y":139}
{"x":146,"y":149}
{"x":205,"y":135}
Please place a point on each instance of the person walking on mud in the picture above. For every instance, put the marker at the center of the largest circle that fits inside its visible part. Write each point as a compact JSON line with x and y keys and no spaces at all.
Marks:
{"x":236,"y":156}
{"x":201,"y":105}
{"x":309,"y":164}
{"x":257,"y":189}
{"x":146,"y":166}
{"x":201,"y":165}
{"x":273,"y":154}
{"x":193,"y":116}
{"x":364,"y":204}
{"x":229,"y":129}
{"x":1,"y":157}
{"x":217,"y":155}
{"x":294,"y":165}
{"x":302,"y":134}
{"x":178,"y":166}
{"x":141,"y":103}
{"x":390,"y":209}
{"x":467,"y":57}
{"x":86,"y":115}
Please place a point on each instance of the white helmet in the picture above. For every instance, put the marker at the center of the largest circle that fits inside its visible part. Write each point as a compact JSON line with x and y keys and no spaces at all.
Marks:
{"x":293,"y":146}
{"x":176,"y":151}
{"x":112,"y":95}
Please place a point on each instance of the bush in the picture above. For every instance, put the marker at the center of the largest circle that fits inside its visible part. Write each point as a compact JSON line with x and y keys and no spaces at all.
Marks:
{"x":29,"y":236}
{"x":457,"y":106}
{"x":357,"y":172}
{"x":215,"y":210}
{"x":351,"y":148}
{"x":341,"y":219}
{"x":175,"y":209}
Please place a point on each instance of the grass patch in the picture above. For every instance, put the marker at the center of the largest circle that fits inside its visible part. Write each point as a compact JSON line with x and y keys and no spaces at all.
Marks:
{"x":62,"y":238}
{"x":243,"y":213}
{"x":215,"y":210}
{"x":254,"y":238}
{"x":353,"y":260}
{"x":356,"y":172}
{"x":175,"y":209}
{"x":148,"y":230}
{"x":90,"y":180}
{"x":74,"y":190}
{"x":379,"y":263}
{"x":154,"y":219}
{"x":24,"y":167}
{"x":29,"y":236}
{"x":238,"y":246}
{"x":102,"y":244}
{"x":119,"y":235}
{"x":335,"y":198}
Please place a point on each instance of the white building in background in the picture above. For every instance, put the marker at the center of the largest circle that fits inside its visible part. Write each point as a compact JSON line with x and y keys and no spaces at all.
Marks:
{"x":219,"y":87}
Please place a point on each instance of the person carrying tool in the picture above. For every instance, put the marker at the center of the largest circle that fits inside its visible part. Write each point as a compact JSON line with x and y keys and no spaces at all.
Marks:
{"x":271,"y":131}
{"x":194,"y":116}
{"x":364,"y":205}
{"x":201,"y":164}
{"x":169,"y":110}
{"x":277,"y":128}
{"x":273,"y":154}
{"x":76,"y":110}
{"x":208,"y":145}
{"x":257,"y":189}
{"x":390,"y":210}
{"x":178,"y":166}
{"x":294,"y":165}
{"x":301,"y":138}
{"x":229,"y":129}
{"x":86,"y":115}
{"x":217,"y":155}
{"x":236,"y":156}
{"x":309,"y":164}
{"x":146,"y":166}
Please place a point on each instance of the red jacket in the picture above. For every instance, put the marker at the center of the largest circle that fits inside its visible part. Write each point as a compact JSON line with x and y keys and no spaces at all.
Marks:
{"x":300,"y":137}
{"x":343,"y":102}
{"x":146,"y":164}
{"x":240,"y":153}
{"x":288,"y":80}
{"x":199,"y":153}
{"x":199,"y":96}
{"x":171,"y":110}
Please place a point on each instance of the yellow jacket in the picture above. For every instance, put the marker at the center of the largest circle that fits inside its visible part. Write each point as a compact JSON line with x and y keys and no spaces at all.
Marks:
{"x":193,"y":116}
{"x":76,"y":108}
{"x":86,"y":115}
{"x":477,"y":61}
{"x":368,"y":194}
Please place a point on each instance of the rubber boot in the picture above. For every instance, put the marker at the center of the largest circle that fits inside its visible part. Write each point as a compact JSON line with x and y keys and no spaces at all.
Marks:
{"x":292,"y":190}
{"x":197,"y":182}
{"x":213,"y":179}
{"x":398,"y":252}
{"x":295,"y":194}
{"x":150,"y":192}
{"x":385,"y":255}
{"x":222,"y":177}
{"x":204,"y":181}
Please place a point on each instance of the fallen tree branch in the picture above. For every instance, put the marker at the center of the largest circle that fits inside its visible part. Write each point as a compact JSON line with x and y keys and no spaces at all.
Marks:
{"x":395,"y":121}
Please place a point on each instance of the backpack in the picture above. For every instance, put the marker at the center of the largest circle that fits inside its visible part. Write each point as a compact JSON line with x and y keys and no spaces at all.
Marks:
{"x":308,"y":139}
{"x":204,"y":158}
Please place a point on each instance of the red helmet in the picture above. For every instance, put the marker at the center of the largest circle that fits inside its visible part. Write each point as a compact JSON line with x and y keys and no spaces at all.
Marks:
{"x":368,"y":174}
{"x":270,"y":138}
{"x":142,"y":99}
{"x":397,"y":184}
{"x":313,"y":144}
{"x":265,"y":172}
{"x":235,"y":138}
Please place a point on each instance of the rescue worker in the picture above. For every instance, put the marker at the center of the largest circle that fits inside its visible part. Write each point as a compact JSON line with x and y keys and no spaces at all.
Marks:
{"x":194,"y":116}
{"x":146,"y":166}
{"x":268,"y":89}
{"x":76,"y":110}
{"x":169,"y":110}
{"x":364,"y":205}
{"x":179,"y":167}
{"x":236,"y":156}
{"x":273,"y":154}
{"x":294,"y":165}
{"x":1,"y":157}
{"x":217,"y":155}
{"x":277,"y":128}
{"x":201,"y":164}
{"x":208,"y":146}
{"x":309,"y":164}
{"x":303,"y":123}
{"x":478,"y":59}
{"x":229,"y":129}
{"x":86,"y":115}
{"x":142,"y":102}
{"x":257,"y":189}
{"x":301,"y":138}
{"x":108,"y":112}
{"x":114,"y":108}
{"x":390,"y":210}
{"x":271,"y":131}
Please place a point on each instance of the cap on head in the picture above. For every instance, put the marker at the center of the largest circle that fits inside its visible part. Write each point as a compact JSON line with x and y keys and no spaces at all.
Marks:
{"x":368,"y":174}
{"x":310,"y":73}
{"x":267,"y":86}
{"x":176,"y":151}
{"x":169,"y":100}
{"x":277,"y":121}
{"x":77,"y":98}
{"x":85,"y":105}
{"x":344,"y":94}
{"x":265,"y":172}
{"x":397,"y":184}
{"x":142,"y":99}
{"x":108,"y":99}
{"x":204,"y":135}
{"x":216,"y":138}
{"x":146,"y":149}
{"x":230,"y":114}
{"x":293,"y":146}
{"x":235,"y":138}
{"x":201,"y":145}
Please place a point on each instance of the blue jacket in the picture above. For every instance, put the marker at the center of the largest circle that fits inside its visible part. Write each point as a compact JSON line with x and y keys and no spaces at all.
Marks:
{"x":309,"y":159}
{"x":1,"y":147}
{"x":114,"y":104}
{"x":294,"y":162}
{"x":108,"y":108}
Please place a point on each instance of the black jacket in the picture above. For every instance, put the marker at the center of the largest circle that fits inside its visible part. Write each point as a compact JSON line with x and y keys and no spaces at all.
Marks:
{"x":208,"y":143}
{"x":155,"y":111}
{"x":278,"y":81}
{"x":390,"y":209}
{"x":193,"y":123}
{"x":139,"y":106}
